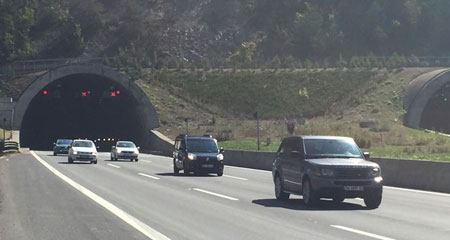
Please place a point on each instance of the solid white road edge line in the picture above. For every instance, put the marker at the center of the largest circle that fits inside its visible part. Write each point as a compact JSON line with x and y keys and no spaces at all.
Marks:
{"x":249,"y":169}
{"x":239,"y":178}
{"x":418,"y":191}
{"x":132,"y":221}
{"x":215,"y":194}
{"x":112,"y":165}
{"x":147,"y":161}
{"x":149,"y":176}
{"x":361,"y":232}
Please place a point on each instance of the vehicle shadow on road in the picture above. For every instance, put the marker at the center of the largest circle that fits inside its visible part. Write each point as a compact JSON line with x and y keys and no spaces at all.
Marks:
{"x":297,"y":204}
{"x":123,"y":160}
{"x":190,"y":175}
{"x":74,"y":163}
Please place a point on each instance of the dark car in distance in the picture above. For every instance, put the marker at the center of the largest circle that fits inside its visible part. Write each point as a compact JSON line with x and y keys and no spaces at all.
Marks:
{"x":325,"y":167}
{"x":61,"y":146}
{"x":197,"y":154}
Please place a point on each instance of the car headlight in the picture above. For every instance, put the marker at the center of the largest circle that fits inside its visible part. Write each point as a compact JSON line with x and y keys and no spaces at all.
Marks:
{"x":191,"y":156}
{"x":136,"y":151}
{"x":118,"y":150}
{"x":74,"y":152}
{"x":375,"y":172}
{"x":220,"y":157}
{"x":93,"y":153}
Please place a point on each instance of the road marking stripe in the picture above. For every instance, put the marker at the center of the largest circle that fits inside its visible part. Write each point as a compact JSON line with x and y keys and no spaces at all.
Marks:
{"x":296,"y":183}
{"x":418,"y":191}
{"x":112,"y":165}
{"x":239,"y":178}
{"x":249,"y":169}
{"x":149,"y":176}
{"x":361,"y":232}
{"x":215,"y":194}
{"x":7,"y":159}
{"x":147,"y":161}
{"x":132,"y":221}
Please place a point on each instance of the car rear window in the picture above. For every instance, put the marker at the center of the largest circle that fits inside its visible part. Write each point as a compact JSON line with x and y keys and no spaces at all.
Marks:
{"x":64,"y":142}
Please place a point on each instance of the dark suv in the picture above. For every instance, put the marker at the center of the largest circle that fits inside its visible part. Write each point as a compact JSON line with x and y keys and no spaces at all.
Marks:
{"x":325,"y":167}
{"x":198,"y":155}
{"x":61,"y":146}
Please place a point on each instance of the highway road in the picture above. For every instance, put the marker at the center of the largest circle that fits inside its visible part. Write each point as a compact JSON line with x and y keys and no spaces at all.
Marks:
{"x":43,"y":197}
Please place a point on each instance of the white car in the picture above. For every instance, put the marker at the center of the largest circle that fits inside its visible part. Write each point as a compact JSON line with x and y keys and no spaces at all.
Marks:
{"x":125,"y":150}
{"x":83,"y":150}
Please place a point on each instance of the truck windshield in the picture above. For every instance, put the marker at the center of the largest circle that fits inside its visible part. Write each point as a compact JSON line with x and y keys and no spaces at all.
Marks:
{"x":346,"y":148}
{"x":202,"y":145}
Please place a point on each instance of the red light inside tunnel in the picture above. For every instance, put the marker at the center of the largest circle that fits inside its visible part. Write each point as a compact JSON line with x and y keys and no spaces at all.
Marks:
{"x":44,"y":92}
{"x":118,"y":92}
{"x":89,"y":91}
{"x":113,"y":94}
{"x":83,"y":94}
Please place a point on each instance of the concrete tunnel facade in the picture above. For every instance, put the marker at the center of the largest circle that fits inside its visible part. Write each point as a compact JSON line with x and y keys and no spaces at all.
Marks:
{"x":427,"y":101}
{"x":83,"y":101}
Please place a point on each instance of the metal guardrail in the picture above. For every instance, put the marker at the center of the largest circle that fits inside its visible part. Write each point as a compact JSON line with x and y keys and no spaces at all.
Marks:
{"x":8,"y":146}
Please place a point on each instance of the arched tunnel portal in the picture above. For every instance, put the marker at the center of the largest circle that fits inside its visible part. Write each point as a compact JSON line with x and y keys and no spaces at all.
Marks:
{"x":84,"y":101}
{"x":427,"y":101}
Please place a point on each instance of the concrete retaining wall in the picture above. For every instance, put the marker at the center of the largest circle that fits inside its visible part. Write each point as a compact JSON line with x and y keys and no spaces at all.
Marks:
{"x":415,"y":174}
{"x":159,"y":144}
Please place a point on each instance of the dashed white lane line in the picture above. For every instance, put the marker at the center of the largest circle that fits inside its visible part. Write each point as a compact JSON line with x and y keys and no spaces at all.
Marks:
{"x":239,"y":178}
{"x":215,"y":194}
{"x":418,"y":191}
{"x":147,"y":161}
{"x":149,"y":176}
{"x":132,"y":221}
{"x":7,"y":159}
{"x":361,"y":232}
{"x":112,"y":165}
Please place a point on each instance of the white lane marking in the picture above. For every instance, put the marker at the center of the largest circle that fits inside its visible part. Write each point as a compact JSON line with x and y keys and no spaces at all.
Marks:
{"x":7,"y":159}
{"x":2,"y":157}
{"x":418,"y":191}
{"x":149,"y":176}
{"x":296,"y":183}
{"x":132,"y":221}
{"x":215,"y":194}
{"x":112,"y":165}
{"x":249,"y":169}
{"x":361,"y":232}
{"x":147,"y":161}
{"x":239,"y":178}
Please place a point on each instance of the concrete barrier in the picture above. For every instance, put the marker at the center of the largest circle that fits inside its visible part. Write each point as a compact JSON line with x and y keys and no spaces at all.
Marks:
{"x":414,"y":174}
{"x":249,"y":159}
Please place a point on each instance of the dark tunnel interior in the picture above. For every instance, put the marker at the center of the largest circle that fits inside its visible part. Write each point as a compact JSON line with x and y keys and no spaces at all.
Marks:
{"x":436,"y":114}
{"x":81,"y":106}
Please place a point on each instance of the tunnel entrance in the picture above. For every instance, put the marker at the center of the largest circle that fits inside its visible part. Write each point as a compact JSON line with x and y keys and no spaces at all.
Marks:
{"x":436,"y":114}
{"x":83,"y":106}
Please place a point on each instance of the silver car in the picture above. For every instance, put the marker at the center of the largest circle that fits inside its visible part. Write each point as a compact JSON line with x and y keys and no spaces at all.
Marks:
{"x":125,"y":150}
{"x":83,"y":150}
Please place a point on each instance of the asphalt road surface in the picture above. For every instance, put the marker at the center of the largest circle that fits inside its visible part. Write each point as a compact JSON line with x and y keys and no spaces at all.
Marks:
{"x":43,"y":197}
